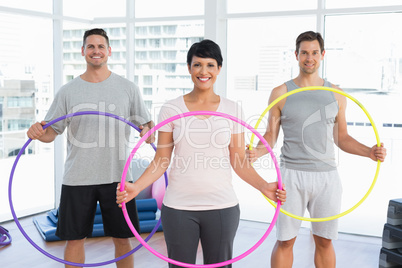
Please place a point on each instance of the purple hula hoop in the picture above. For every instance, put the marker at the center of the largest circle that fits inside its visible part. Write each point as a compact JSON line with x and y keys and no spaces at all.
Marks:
{"x":12,"y":206}
{"x":157,"y":254}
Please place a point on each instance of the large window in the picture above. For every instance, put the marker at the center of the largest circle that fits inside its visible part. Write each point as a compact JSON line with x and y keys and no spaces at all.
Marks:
{"x":150,"y":40}
{"x":42,"y":6}
{"x":161,"y":58}
{"x":239,"y":6}
{"x":26,"y":73}
{"x":364,"y":52}
{"x":90,"y":9}
{"x":260,"y":57}
{"x":360,"y":3}
{"x":363,"y":57}
{"x":171,"y":8}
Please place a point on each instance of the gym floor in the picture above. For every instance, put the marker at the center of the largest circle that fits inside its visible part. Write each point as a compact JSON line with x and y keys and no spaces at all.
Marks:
{"x":351,"y":250}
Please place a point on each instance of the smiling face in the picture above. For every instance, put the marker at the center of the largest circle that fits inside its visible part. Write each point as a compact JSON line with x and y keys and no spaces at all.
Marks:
{"x":309,"y":56}
{"x":204,"y":72}
{"x":96,"y":51}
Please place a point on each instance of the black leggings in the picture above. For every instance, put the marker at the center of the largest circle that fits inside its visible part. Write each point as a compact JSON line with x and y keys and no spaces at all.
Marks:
{"x":215,"y":229}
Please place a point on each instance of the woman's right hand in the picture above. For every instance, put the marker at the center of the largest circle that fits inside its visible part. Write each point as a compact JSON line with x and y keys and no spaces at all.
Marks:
{"x":251,"y":155}
{"x":127,"y":194}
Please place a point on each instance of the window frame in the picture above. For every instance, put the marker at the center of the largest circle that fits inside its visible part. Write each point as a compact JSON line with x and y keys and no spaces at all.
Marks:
{"x":215,"y":23}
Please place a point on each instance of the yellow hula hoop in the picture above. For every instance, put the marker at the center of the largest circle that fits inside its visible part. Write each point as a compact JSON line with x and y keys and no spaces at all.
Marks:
{"x":375,"y":132}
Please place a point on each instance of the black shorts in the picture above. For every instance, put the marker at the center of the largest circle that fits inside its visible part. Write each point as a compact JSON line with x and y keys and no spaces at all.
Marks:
{"x":78,"y":207}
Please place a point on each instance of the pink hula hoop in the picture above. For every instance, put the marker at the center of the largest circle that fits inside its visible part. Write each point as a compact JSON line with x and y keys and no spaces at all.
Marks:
{"x":194,"y":113}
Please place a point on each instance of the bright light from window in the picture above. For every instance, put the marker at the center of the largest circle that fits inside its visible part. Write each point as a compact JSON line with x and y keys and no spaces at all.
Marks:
{"x":241,"y":6}
{"x":38,"y":5}
{"x":261,"y":52}
{"x":261,"y":57}
{"x":26,"y":90}
{"x":364,"y":52}
{"x":170,"y":8}
{"x":90,"y":9}
{"x":360,"y":3}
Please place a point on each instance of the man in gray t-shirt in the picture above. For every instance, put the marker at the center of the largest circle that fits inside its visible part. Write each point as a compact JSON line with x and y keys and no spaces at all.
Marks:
{"x":312,"y":122}
{"x":96,"y":149}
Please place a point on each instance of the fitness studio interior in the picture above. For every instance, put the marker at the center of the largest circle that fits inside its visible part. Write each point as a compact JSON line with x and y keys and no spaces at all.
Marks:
{"x":40,"y":51}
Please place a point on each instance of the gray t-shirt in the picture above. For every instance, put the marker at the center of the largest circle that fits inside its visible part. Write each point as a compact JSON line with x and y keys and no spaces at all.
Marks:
{"x":308,"y":120}
{"x":97,"y":145}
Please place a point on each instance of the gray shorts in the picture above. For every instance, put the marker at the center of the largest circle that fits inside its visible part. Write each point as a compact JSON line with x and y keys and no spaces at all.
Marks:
{"x":320,"y":193}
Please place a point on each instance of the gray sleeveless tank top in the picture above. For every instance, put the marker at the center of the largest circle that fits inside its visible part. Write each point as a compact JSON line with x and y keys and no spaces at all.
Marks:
{"x":307,"y":121}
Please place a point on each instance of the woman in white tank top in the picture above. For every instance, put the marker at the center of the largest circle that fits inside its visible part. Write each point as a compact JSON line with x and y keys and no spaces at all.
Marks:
{"x":200,"y":203}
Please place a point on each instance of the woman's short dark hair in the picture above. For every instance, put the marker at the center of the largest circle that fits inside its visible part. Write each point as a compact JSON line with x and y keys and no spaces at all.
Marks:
{"x":310,"y":36}
{"x":205,"y":49}
{"x":96,"y":31}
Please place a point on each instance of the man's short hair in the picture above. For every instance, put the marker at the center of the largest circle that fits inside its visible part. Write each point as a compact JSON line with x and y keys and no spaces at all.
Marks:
{"x":310,"y":36}
{"x":95,"y":31}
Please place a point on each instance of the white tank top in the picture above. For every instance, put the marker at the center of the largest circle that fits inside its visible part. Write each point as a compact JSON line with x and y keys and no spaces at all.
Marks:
{"x":200,"y":177}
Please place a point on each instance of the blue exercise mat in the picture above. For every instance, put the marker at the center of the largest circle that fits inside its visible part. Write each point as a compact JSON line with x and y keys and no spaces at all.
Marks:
{"x":147,"y":208}
{"x":146,"y":211}
{"x":147,"y":205}
{"x":47,"y":228}
{"x":148,"y":225}
{"x":54,"y":217}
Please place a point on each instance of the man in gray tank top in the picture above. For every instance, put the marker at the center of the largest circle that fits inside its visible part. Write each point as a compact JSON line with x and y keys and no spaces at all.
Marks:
{"x":96,"y":150}
{"x":312,"y":122}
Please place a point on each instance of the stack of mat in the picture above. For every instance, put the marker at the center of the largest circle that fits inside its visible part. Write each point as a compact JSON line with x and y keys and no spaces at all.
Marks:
{"x":147,"y":208}
{"x":391,"y":251}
